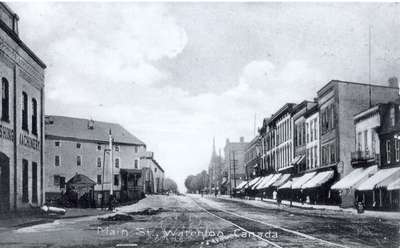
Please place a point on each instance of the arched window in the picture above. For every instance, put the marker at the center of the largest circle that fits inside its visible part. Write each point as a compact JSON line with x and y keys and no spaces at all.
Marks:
{"x":25,"y":111}
{"x":34,"y":116}
{"x":5,"y":100}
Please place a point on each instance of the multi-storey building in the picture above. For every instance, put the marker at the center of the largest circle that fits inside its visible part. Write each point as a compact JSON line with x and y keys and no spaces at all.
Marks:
{"x":217,"y":180}
{"x":338,"y":102}
{"x":152,"y":174}
{"x":312,"y":138}
{"x":21,"y":122}
{"x":81,"y":147}
{"x":302,"y":136}
{"x":234,"y":162}
{"x":252,"y":158}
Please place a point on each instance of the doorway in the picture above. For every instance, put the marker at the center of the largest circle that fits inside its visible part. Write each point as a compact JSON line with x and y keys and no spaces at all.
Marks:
{"x":4,"y":183}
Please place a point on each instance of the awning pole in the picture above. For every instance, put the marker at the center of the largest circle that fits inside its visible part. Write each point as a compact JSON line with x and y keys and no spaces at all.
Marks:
{"x":380,"y":197}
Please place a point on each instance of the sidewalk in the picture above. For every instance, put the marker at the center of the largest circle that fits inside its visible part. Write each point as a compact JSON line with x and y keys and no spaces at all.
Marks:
{"x":337,"y":209}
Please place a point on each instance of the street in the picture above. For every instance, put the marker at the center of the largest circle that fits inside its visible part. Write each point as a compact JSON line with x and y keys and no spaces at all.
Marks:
{"x":193,"y":221}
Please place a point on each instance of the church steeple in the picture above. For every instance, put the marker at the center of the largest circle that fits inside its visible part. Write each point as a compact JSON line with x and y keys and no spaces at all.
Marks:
{"x":214,"y":145}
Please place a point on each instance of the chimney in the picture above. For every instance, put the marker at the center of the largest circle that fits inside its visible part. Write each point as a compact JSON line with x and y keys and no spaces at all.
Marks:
{"x":91,"y":124}
{"x":241,"y":139}
{"x":393,"y":82}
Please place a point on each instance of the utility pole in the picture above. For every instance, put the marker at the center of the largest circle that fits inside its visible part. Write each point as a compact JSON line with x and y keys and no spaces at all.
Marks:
{"x":111,"y":162}
{"x":369,"y":65}
{"x":234,"y":170}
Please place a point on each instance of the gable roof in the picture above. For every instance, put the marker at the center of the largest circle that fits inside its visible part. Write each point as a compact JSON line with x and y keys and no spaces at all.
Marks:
{"x":77,"y":128}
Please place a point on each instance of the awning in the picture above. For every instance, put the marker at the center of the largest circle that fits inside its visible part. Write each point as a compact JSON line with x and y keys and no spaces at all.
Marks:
{"x":382,"y":178}
{"x":355,"y":178}
{"x":224,"y":181}
{"x":318,"y":180}
{"x":283,"y":179}
{"x":303,"y":179}
{"x":394,"y":185}
{"x":285,"y":168}
{"x":271,"y":180}
{"x":264,"y":181}
{"x":255,"y":186}
{"x":252,"y":182}
{"x":241,"y":185}
{"x":289,"y":183}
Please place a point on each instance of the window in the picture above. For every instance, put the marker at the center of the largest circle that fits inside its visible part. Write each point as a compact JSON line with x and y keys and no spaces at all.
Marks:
{"x":5,"y":100}
{"x":34,"y":116}
{"x":78,"y":145}
{"x":98,"y":179}
{"x":57,"y":160}
{"x":24,"y":111}
{"x":359,"y":136}
{"x":117,"y":148}
{"x":155,"y":169}
{"x":311,"y":131}
{"x":57,"y":143}
{"x":388,"y":151}
{"x":308,"y":133}
{"x":136,"y":149}
{"x":98,"y":147}
{"x":116,"y":180}
{"x":117,"y":163}
{"x":315,"y":156}
{"x":332,"y":153}
{"x":312,"y":158}
{"x":366,"y":141}
{"x":136,"y":164}
{"x":397,"y":148}
{"x":56,"y":179}
{"x":25,"y":196}
{"x":392,"y":117}
{"x":34,"y":183}
{"x":78,"y":160}
{"x":373,"y":142}
{"x":62,"y":182}
{"x":98,"y":162}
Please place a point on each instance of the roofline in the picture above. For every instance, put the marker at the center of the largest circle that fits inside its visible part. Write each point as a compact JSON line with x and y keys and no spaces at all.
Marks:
{"x":155,"y":162}
{"x":311,"y":110}
{"x":16,"y":38}
{"x":57,"y":137}
{"x":373,"y":109}
{"x":330,"y":84}
{"x":282,"y":110}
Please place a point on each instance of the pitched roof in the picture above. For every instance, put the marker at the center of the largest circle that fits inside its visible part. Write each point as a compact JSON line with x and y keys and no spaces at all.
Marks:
{"x":76,"y":128}
{"x":81,"y":179}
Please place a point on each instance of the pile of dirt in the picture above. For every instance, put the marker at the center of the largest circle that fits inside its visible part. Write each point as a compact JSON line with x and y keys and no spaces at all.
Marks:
{"x":117,"y":217}
{"x":147,"y":211}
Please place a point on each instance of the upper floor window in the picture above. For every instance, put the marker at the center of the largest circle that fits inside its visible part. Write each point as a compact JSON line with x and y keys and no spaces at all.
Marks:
{"x":34,"y":116}
{"x":136,"y":164}
{"x":392,"y":116}
{"x":57,"y":143}
{"x":116,"y":180}
{"x":366,"y":141}
{"x":98,"y":179}
{"x":24,"y":111}
{"x":117,"y":163}
{"x":117,"y":148}
{"x":99,"y":147}
{"x":78,"y":160}
{"x":136,"y":149}
{"x":155,"y":169}
{"x":57,"y":160}
{"x":359,"y":135}
{"x":388,"y":151}
{"x":5,"y":99}
{"x":397,"y":150}
{"x":78,"y":145}
{"x":98,"y":162}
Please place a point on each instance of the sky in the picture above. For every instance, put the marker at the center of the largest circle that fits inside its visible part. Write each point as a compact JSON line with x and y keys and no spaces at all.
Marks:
{"x":178,"y":74}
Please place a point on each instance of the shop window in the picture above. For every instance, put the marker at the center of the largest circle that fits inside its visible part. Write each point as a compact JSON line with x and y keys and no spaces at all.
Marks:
{"x":25,"y":196}
{"x":34,"y":183}
{"x":62,"y":182}
{"x":34,"y":116}
{"x":116,"y":180}
{"x":5,"y":101}
{"x":25,"y":111}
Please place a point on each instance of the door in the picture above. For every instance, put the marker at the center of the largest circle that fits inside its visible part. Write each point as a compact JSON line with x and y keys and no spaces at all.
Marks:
{"x":4,"y":183}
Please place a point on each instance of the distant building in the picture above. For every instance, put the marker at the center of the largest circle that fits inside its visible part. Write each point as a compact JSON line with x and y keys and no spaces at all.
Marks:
{"x":234,"y":162}
{"x":77,"y":146}
{"x":152,"y":175}
{"x":253,"y":158}
{"x":217,"y":180}
{"x":21,"y":120}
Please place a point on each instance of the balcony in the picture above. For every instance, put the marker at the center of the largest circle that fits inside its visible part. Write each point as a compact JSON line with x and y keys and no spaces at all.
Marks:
{"x":360,"y":158}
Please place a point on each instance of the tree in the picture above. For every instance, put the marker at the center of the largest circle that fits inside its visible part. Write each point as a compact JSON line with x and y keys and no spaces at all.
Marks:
{"x":196,"y":183}
{"x":171,"y":185}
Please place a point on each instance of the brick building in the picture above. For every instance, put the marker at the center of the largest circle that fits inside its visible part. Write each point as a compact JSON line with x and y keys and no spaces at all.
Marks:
{"x":235,"y":166}
{"x":253,"y":159}
{"x":21,"y":122}
{"x":77,"y":146}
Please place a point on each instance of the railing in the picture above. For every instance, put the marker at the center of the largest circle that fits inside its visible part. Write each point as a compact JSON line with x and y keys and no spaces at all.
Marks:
{"x":364,"y":156}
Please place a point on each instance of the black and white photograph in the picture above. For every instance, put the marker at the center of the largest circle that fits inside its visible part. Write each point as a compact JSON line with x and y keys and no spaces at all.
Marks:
{"x":199,"y":124}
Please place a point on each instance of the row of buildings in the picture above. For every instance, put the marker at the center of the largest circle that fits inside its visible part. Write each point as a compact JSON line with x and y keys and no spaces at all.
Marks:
{"x":43,"y":158}
{"x":340,"y":148}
